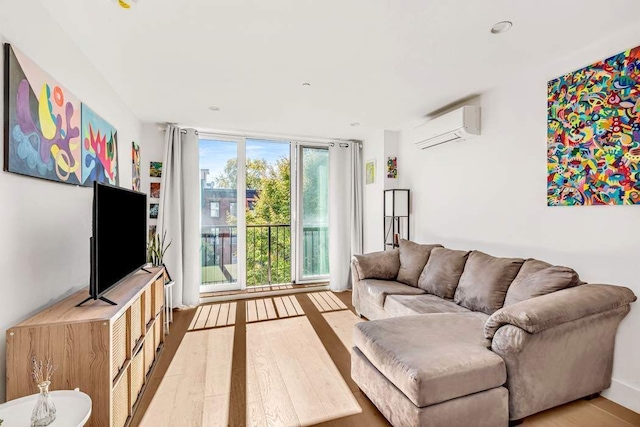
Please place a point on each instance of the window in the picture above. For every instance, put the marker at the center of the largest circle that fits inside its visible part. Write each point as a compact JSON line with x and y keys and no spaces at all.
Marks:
{"x":233,"y":208}
{"x":214,"y":208}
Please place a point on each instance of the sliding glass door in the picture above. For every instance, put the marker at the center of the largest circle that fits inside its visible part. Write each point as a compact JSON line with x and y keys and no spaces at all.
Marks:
{"x":221,"y":186}
{"x":313,"y":213}
{"x":264,"y":213}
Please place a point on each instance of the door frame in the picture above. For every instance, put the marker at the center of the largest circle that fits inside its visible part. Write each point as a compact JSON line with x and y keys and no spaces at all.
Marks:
{"x":241,"y":195}
{"x":298,"y":254}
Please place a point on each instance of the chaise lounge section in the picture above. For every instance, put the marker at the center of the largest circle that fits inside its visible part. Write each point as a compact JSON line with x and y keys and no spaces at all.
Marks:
{"x":464,"y":338}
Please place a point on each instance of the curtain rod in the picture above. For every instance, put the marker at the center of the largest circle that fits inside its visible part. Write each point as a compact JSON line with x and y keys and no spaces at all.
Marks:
{"x":222,"y":133}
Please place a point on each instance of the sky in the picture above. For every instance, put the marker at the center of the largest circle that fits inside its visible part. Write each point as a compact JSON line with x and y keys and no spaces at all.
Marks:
{"x":214,"y":153}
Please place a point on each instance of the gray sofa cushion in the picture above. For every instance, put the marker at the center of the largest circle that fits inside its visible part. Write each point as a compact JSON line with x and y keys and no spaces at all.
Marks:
{"x":378,"y":265}
{"x":442,"y":273}
{"x":410,"y":305}
{"x":540,"y":283}
{"x":432,"y":358}
{"x":485,"y":281}
{"x":377,"y":290}
{"x":413,"y":258}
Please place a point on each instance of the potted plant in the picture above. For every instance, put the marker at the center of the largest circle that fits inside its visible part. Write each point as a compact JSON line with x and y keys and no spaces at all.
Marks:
{"x":157,"y":248}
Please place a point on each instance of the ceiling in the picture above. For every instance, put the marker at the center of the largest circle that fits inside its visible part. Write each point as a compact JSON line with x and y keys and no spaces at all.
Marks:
{"x":376,"y":62}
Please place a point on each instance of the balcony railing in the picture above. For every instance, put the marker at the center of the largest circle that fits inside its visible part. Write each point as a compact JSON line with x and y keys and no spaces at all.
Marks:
{"x":268,"y":254}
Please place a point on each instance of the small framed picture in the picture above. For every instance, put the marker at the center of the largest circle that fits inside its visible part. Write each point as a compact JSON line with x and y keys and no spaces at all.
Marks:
{"x":155,"y":169}
{"x":370,"y":171}
{"x":152,"y":232}
{"x":154,"y":191}
{"x":153,"y":210}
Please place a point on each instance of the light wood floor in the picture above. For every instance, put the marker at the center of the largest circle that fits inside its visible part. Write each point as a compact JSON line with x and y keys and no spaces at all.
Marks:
{"x":285,"y":361}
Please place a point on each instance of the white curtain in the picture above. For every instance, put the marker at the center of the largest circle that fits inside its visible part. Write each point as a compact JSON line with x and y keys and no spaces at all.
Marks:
{"x":345,"y":211}
{"x":179,"y":213}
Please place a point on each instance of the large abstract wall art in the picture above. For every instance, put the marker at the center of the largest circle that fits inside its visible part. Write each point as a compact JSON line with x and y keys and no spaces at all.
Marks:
{"x":99,"y":149}
{"x":42,"y":123}
{"x":593,"y":137}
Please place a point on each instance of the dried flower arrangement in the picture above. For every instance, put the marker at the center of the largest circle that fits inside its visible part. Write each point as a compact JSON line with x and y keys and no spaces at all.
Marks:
{"x":39,"y":374}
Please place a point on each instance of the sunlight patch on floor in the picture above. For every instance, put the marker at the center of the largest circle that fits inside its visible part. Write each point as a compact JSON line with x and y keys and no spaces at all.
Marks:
{"x":196,"y":388}
{"x":342,"y":323}
{"x":291,"y":379}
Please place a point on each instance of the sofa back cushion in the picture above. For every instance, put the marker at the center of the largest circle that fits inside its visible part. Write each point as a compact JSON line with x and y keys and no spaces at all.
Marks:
{"x":533,"y":284}
{"x":382,"y":265}
{"x":485,"y":281}
{"x":442,"y":273}
{"x":413,"y":258}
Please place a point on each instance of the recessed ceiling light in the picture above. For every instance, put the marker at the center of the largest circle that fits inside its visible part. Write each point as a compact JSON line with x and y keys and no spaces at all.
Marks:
{"x":501,"y":27}
{"x":306,"y":84}
{"x":354,"y":124}
{"x":214,"y":108}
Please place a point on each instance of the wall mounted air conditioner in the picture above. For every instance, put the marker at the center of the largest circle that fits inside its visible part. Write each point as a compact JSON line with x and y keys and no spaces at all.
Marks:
{"x":458,"y":125}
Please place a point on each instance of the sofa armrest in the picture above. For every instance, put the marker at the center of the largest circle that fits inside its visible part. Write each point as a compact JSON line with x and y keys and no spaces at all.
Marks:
{"x":377,"y":265}
{"x":544,"y":312}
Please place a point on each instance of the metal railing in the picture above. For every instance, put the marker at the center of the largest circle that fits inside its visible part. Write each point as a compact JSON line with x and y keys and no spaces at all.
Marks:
{"x":268,"y":254}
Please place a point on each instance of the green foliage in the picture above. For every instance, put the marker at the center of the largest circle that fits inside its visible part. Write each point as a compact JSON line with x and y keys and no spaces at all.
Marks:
{"x":272,"y":207}
{"x":156,"y":249}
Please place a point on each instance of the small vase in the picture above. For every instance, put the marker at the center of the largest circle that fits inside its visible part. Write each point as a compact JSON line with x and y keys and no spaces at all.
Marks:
{"x":44,"y":412}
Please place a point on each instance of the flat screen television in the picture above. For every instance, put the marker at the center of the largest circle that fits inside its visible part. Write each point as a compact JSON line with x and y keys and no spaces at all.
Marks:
{"x":119,"y":241}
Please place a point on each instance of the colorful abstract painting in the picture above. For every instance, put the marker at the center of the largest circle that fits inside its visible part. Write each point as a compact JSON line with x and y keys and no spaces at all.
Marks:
{"x":593,"y":139}
{"x":155,"y":169}
{"x":135,"y":167}
{"x":99,"y":149}
{"x":392,"y":167}
{"x":42,"y":136}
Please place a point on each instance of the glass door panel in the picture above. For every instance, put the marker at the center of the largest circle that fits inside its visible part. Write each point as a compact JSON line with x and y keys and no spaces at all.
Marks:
{"x":268,"y":212}
{"x":313,"y":190}
{"x":219,"y":188}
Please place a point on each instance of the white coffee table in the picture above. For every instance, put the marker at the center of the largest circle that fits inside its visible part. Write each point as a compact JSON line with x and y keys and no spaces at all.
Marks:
{"x":73,"y":409}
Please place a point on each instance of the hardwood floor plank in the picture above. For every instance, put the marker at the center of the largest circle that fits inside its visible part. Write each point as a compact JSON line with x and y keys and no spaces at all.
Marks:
{"x":283,"y":340}
{"x":252,"y":311}
{"x":282,"y":311}
{"x":255,"y":415}
{"x":579,"y":414}
{"x":276,"y":401}
{"x":195,"y":318}
{"x":262,"y":310}
{"x":341,"y":305}
{"x":202,"y":318}
{"x":216,"y":411}
{"x":342,"y":323}
{"x":231,"y":319}
{"x":296,"y":305}
{"x":616,"y":410}
{"x":219,"y":360}
{"x":327,"y":299}
{"x":271,"y":310}
{"x":224,"y":315}
{"x":289,"y":306}
{"x":316,"y":303}
{"x":213,"y":316}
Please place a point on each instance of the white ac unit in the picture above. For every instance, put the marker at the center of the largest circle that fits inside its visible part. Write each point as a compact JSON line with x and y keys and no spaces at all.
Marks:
{"x":457,"y":125}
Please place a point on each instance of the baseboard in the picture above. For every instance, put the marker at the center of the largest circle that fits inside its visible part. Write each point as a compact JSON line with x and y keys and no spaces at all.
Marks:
{"x":623,"y":394}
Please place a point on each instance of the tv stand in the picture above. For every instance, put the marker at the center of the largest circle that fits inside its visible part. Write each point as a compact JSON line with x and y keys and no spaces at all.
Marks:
{"x":100,"y":298}
{"x":107,"y":351}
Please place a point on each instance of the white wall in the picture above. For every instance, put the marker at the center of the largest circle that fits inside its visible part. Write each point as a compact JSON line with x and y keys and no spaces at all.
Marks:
{"x":373,"y":148}
{"x":45,"y":226}
{"x":490,"y":194}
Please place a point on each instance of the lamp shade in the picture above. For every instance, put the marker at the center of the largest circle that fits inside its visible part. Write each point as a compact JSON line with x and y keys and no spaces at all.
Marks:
{"x":396,"y":203}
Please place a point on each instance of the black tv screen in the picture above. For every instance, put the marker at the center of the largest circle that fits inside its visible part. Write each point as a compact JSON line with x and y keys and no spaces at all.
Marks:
{"x":119,"y":243}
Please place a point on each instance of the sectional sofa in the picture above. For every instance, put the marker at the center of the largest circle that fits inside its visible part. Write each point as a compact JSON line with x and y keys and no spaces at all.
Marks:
{"x":462,"y":338}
